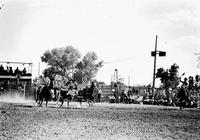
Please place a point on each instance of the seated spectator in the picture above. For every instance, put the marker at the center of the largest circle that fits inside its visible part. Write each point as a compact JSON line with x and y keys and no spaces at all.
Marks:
{"x":129,"y":92}
{"x":24,"y":71}
{"x":7,"y":70}
{"x":17,"y":71}
{"x":122,"y":96}
{"x":1,"y":68}
{"x":10,"y":71}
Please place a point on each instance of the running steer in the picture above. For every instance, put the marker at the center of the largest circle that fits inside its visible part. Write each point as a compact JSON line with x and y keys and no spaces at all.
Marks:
{"x":85,"y":94}
{"x":67,"y":95}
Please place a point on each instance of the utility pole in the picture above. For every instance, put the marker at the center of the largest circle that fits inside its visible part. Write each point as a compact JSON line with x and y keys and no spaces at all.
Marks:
{"x":154,"y":54}
{"x":117,"y":85}
{"x":154,"y":67}
{"x":116,"y":75}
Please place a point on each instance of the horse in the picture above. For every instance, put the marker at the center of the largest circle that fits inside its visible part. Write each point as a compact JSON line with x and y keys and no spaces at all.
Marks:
{"x":85,"y":94}
{"x":183,"y":97}
{"x":43,"y":92}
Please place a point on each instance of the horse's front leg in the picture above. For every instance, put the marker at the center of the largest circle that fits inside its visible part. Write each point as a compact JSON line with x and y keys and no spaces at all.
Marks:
{"x":36,"y":97}
{"x":62,"y":101}
{"x":88,"y":101}
{"x":58,"y":98}
{"x":40,"y":102}
{"x":67,"y":103}
{"x":81,"y":102}
{"x":46,"y":102}
{"x":92,"y":101}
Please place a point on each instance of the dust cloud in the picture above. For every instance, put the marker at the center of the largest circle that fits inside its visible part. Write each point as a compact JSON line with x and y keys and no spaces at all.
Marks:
{"x":14,"y":97}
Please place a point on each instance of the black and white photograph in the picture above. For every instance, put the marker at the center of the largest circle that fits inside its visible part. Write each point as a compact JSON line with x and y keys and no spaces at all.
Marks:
{"x":99,"y":69}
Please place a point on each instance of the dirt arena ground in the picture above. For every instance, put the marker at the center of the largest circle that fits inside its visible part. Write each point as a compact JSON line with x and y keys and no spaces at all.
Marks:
{"x":25,"y":121}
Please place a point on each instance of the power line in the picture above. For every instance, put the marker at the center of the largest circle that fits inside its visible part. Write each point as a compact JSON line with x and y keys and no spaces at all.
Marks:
{"x":118,"y":60}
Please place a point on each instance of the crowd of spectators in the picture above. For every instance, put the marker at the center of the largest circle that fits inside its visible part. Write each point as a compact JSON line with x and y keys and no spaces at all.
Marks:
{"x":124,"y":96}
{"x":9,"y":71}
{"x":187,"y":94}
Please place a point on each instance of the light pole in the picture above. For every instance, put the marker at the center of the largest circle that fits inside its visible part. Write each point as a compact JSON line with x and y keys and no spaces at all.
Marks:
{"x":117,"y":85}
{"x":154,"y":54}
{"x":128,"y":81}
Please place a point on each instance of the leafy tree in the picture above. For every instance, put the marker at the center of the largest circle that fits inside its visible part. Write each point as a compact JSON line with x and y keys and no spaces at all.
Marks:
{"x":66,"y":63}
{"x":41,"y":79}
{"x":87,"y":67}
{"x":61,"y":61}
{"x":78,"y":75}
{"x":169,"y":78}
{"x":162,"y":74}
{"x":173,"y":72}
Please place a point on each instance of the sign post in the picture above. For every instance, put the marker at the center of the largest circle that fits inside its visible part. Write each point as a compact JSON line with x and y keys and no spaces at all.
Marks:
{"x":154,"y":54}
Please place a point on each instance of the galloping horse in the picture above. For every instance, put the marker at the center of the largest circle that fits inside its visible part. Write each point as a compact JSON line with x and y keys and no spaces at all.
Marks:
{"x":60,"y":95}
{"x":86,"y":94}
{"x":43,"y":92}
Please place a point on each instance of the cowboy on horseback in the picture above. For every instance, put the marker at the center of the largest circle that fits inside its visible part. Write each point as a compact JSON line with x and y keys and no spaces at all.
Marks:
{"x":182,"y":96}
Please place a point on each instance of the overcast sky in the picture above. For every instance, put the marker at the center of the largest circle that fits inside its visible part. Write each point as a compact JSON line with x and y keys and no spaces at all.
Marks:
{"x":119,"y":31}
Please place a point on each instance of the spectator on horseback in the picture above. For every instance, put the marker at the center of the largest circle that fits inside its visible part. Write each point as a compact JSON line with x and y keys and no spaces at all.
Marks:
{"x":182,"y":96}
{"x":92,"y":86}
{"x":191,"y":83}
{"x":197,"y":83}
{"x":184,"y":82}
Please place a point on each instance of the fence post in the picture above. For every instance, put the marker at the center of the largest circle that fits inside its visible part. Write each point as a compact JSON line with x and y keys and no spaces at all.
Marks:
{"x":24,"y":91}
